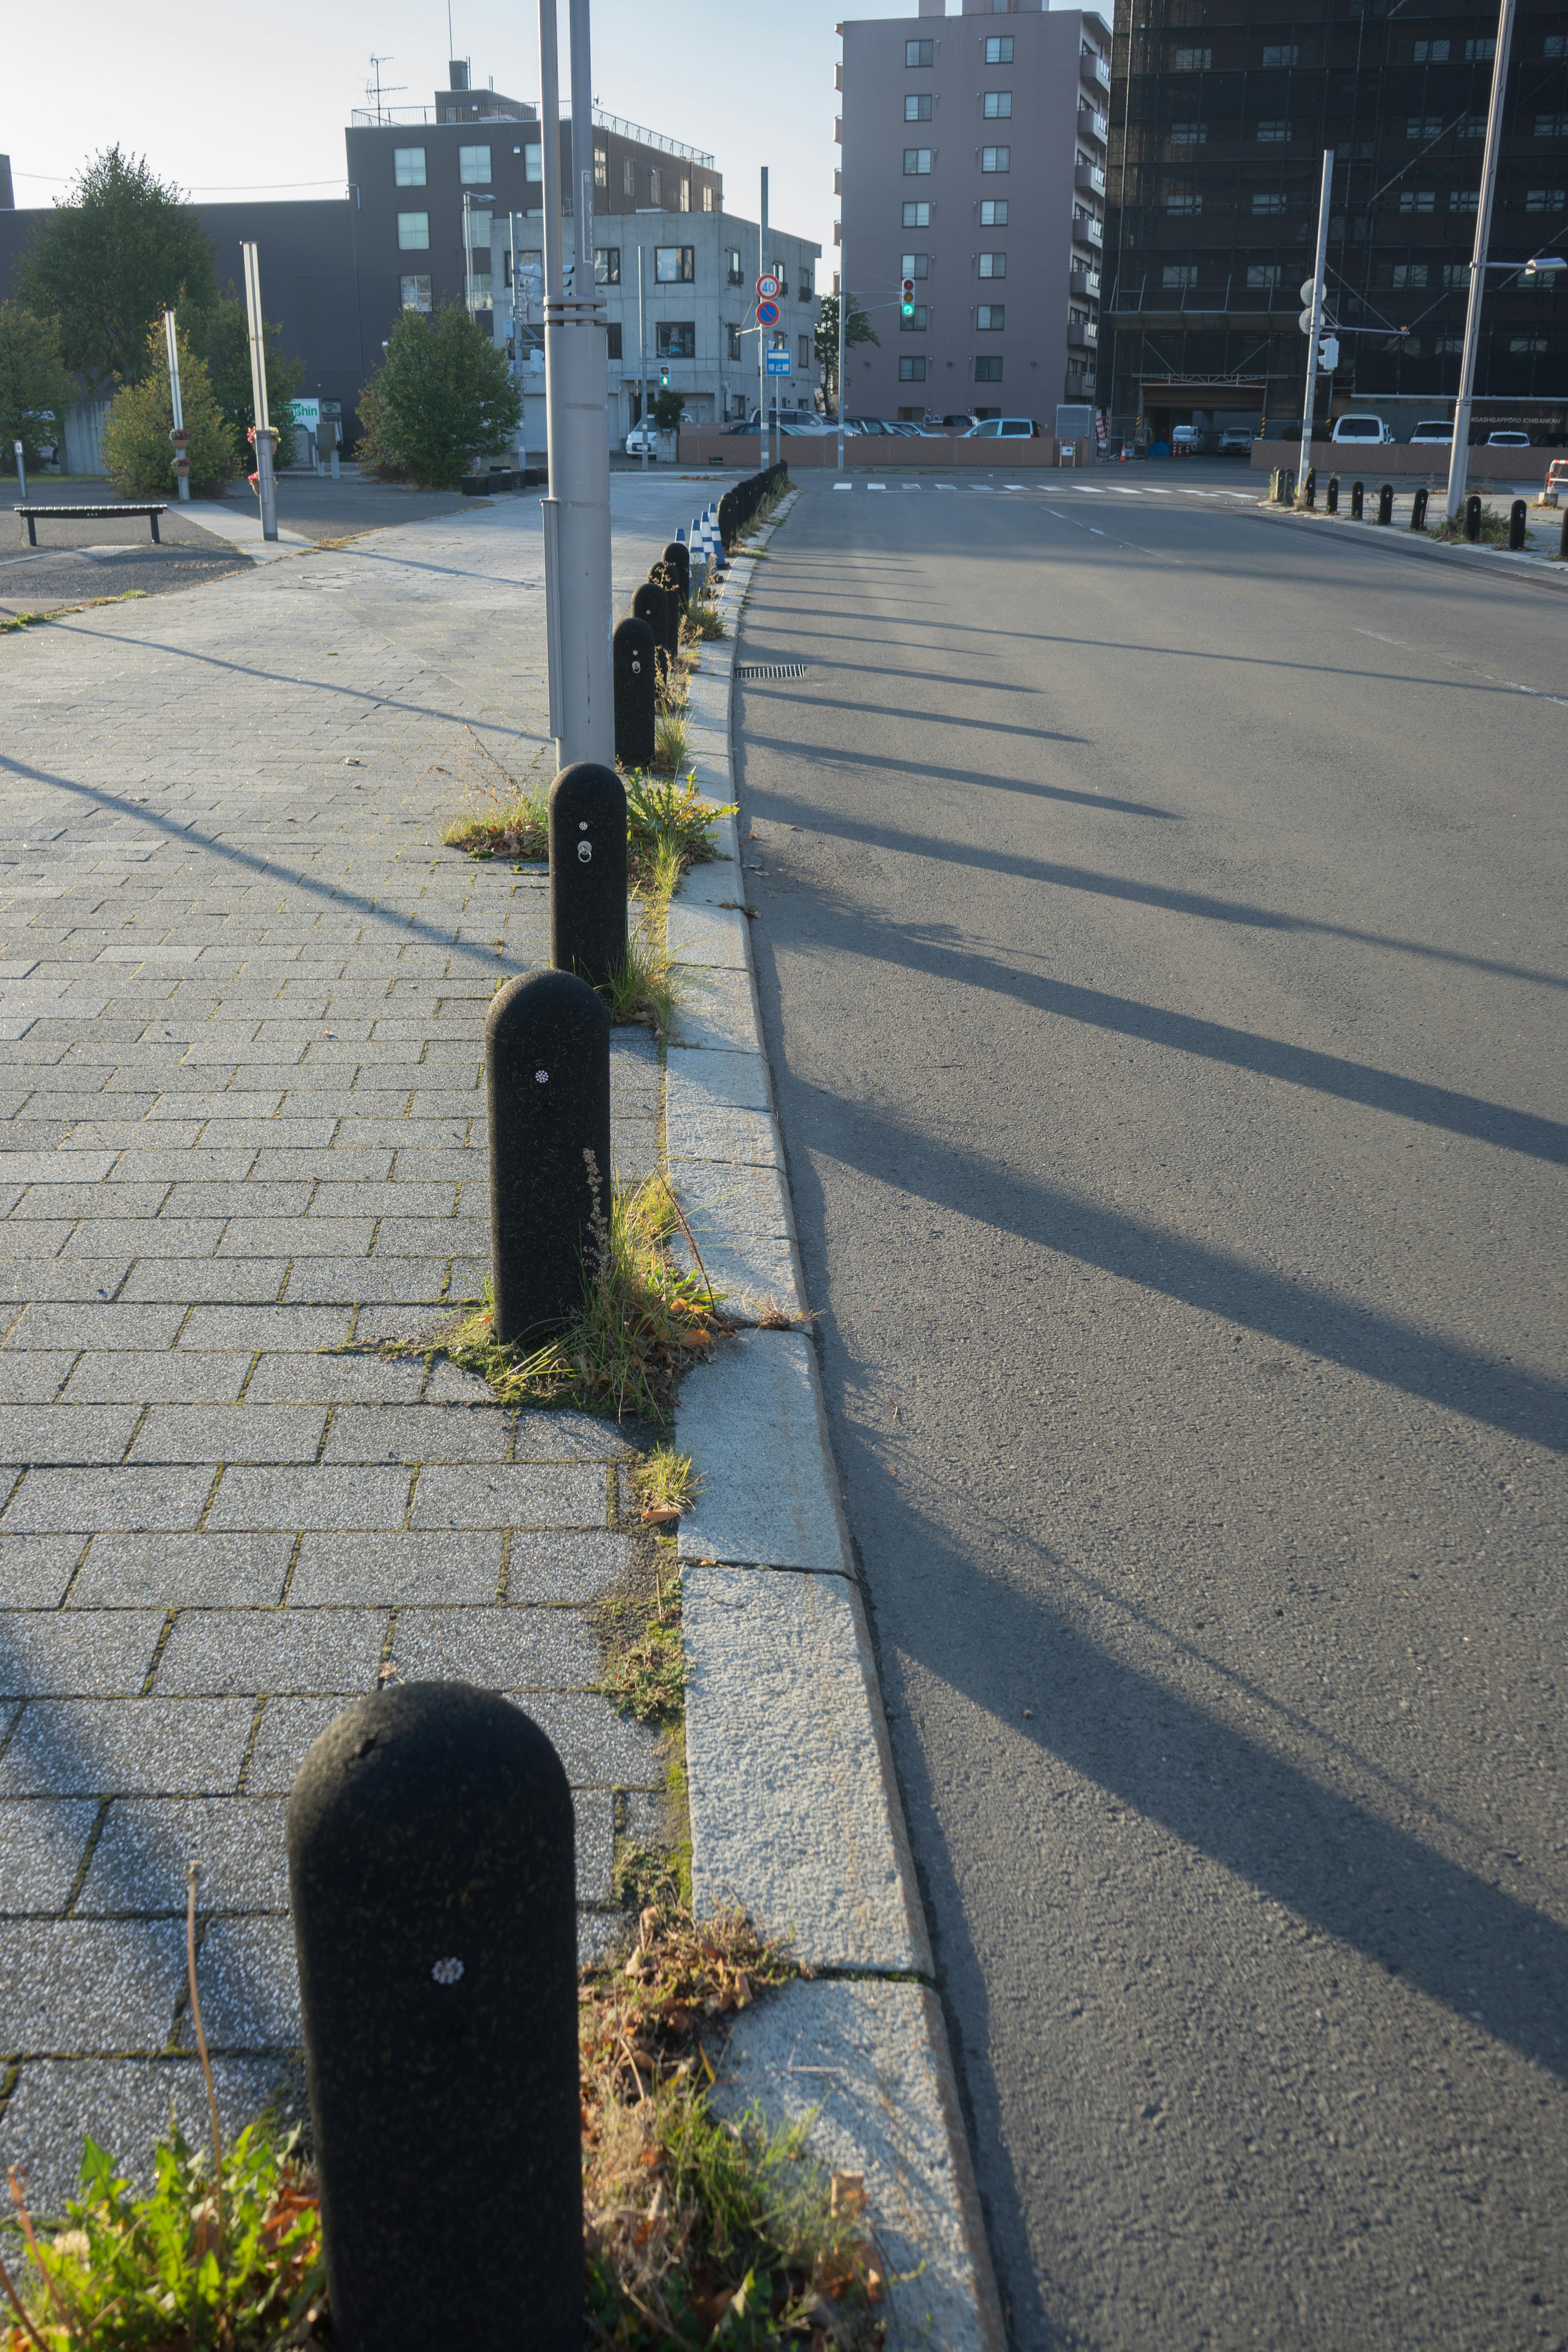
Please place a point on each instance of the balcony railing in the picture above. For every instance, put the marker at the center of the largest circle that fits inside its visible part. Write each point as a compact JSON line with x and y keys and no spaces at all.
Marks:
{"x":1089,"y":178}
{"x":1093,"y":125}
{"x":484,"y":109}
{"x":1094,"y":69}
{"x":1082,"y":334}
{"x":1087,"y":230}
{"x":1083,"y":281}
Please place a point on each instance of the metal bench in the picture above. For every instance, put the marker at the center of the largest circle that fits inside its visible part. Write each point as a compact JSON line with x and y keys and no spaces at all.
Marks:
{"x":91,"y":514}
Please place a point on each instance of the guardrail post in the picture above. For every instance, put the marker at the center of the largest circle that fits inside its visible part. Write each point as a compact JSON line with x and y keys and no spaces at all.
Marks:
{"x":1472,"y":518}
{"x":1418,"y":510}
{"x":1358,"y":501}
{"x":1385,"y":503}
{"x":431,"y":1868}
{"x":547,"y":1097}
{"x":1516,"y":517}
{"x":1333,"y":500}
{"x":588,"y":872}
{"x":635,"y":677}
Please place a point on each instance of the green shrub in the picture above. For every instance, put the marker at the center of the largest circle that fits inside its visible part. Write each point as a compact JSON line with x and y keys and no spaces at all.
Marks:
{"x":34,"y":386}
{"x":137,"y":450}
{"x":444,"y":396}
{"x":371,"y":450}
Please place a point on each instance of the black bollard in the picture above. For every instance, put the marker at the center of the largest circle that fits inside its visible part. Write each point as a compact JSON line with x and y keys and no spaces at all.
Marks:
{"x":633,"y":649}
{"x":431,"y":1867}
{"x":658,"y":607}
{"x":1418,"y":510}
{"x":1385,"y":503}
{"x":547,"y":1096}
{"x":1358,"y":501}
{"x":1562,"y":537}
{"x":1516,"y":515}
{"x":1333,"y":500}
{"x":588,"y":871}
{"x":677,"y":561}
{"x":1312,"y":493}
{"x":729,"y":520}
{"x":1472,"y":519}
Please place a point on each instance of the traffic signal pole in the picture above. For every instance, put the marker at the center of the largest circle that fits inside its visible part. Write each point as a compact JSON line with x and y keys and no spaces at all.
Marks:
{"x":843,"y":304}
{"x":1459,"y":448}
{"x":576,"y":514}
{"x":761,"y":332}
{"x":1312,"y":339}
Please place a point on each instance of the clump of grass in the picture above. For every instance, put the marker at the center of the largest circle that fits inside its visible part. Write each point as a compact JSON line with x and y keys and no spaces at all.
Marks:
{"x":1494,"y":528}
{"x":513,"y":817}
{"x":703,"y":619}
{"x":648,"y":1677}
{"x":666,"y":1482}
{"x":700,"y":2229}
{"x":643,"y":1322}
{"x":668,"y":819}
{"x":643,"y":986}
{"x":669,"y":743}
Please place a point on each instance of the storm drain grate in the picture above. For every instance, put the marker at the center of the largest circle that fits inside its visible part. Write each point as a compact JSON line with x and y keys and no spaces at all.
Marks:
{"x":769,"y":669}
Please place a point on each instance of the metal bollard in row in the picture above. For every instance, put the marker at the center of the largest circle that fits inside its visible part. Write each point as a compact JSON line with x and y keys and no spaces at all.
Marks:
{"x":633,"y":648}
{"x":1562,"y":537}
{"x":1386,"y":504}
{"x":1358,"y":502}
{"x":1332,"y":499}
{"x":1418,"y":510}
{"x":1472,"y":519}
{"x":1516,"y":522}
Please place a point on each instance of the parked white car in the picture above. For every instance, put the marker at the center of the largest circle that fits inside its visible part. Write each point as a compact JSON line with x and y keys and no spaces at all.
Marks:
{"x":1433,"y":433}
{"x":1362,"y":428}
{"x":642,"y":441}
{"x":1508,"y":440}
{"x":1003,"y":428}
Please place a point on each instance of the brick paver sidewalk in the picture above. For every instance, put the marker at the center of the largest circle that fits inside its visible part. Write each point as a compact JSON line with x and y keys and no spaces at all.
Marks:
{"x":242,"y":995}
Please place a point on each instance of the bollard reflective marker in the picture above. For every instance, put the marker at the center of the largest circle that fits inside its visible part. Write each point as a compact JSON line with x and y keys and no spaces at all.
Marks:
{"x":677,"y":561}
{"x":1418,"y":510}
{"x":588,"y":872}
{"x":1333,"y":500}
{"x":636,"y":678}
{"x":1516,"y":517}
{"x":547,"y":1097}
{"x":431,"y":1869}
{"x":1472,"y":518}
{"x":1358,"y":501}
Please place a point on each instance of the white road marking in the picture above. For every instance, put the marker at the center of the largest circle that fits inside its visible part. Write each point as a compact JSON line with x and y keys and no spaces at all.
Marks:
{"x":876,"y":486}
{"x":843,"y":486}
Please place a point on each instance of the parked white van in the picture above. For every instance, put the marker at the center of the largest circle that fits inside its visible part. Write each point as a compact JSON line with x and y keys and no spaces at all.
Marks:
{"x":1433,"y":433}
{"x":1362,"y":428}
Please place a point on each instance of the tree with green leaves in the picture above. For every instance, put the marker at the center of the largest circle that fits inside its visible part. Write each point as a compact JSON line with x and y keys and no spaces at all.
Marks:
{"x":666,"y":408}
{"x":137,"y":450}
{"x":123,"y":247}
{"x":220,"y":337}
{"x":444,"y":395}
{"x":34,"y":387}
{"x":856,"y":330}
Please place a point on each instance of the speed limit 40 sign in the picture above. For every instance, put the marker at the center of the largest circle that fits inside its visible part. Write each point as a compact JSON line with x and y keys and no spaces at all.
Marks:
{"x":767,"y":286}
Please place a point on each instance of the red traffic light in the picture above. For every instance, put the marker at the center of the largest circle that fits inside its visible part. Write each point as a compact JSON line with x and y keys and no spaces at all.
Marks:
{"x":908,"y":289}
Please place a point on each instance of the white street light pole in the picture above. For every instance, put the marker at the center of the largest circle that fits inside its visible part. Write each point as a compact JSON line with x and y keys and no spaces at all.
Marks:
{"x":178,"y":436}
{"x":266,"y":484}
{"x":843,"y":306}
{"x":642,"y":364}
{"x":1324,"y":202}
{"x":1459,"y":449}
{"x":762,"y":332}
{"x":576,"y":514}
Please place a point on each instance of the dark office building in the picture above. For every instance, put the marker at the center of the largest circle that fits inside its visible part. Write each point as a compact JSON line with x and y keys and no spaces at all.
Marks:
{"x":1220,"y":113}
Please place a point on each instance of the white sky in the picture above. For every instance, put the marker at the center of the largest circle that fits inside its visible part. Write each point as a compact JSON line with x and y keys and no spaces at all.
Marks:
{"x":226,"y":100}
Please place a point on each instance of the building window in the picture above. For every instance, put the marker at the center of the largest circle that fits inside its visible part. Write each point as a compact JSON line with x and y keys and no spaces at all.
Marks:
{"x":1262,"y":275}
{"x":481,"y":289}
{"x":1464,"y":200}
{"x":1281,"y":53}
{"x":413,"y":232}
{"x":1268,"y":204}
{"x":989,"y":318}
{"x":1549,"y":126}
{"x":602,"y":168}
{"x":911,"y":371}
{"x":606,"y":265}
{"x":1557,"y":45}
{"x":919,"y":53}
{"x":989,"y":370}
{"x":1409,"y":275}
{"x":629,"y":177}
{"x":1542,"y":200}
{"x":1274,"y":134}
{"x":1191,"y":60}
{"x":479,"y":229}
{"x":1433,"y":53}
{"x":1527,"y":342}
{"x":993,"y":212}
{"x":1179,"y":274}
{"x":917,"y":216}
{"x":1474,"y":126}
{"x":916,"y":160}
{"x":1417,"y":200}
{"x":993,"y":265}
{"x":614,"y":334}
{"x":674,"y":264}
{"x":1423,"y":126}
{"x":996,"y":159}
{"x":1482,"y":52}
{"x":685,"y":205}
{"x":416,"y":293}
{"x":473,"y":166}
{"x":915,"y":324}
{"x":803,"y":359}
{"x":1456,"y":274}
{"x":731,"y":342}
{"x":916,"y":106}
{"x":1189,"y":207}
{"x":915,"y":264}
{"x":1189,"y":134}
{"x":408,"y":166}
{"x":710,"y":197}
{"x":998,"y":105}
{"x":675,"y":339}
{"x":654,"y":186}
{"x":732,"y":266}
{"x":999,"y":49}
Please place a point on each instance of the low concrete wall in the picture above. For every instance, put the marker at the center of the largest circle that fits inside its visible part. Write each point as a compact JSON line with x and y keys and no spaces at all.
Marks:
{"x":875,"y":452}
{"x":1402,"y":461}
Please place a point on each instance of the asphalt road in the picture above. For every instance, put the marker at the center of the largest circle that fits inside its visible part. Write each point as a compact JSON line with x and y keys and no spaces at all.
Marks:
{"x":1162,"y":942}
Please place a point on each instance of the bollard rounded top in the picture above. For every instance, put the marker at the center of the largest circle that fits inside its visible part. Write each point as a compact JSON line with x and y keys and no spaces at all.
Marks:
{"x":633,"y":630}
{"x":557,"y":1005}
{"x":430,"y":1752}
{"x":589,"y":792}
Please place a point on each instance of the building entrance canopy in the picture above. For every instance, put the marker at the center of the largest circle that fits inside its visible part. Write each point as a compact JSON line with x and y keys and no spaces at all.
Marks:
{"x":1207,"y":393}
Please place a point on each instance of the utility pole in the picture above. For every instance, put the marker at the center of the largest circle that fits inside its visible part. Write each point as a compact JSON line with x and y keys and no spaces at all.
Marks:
{"x":265,"y":484}
{"x":1459,"y":449}
{"x":576,"y":514}
{"x":843,"y":306}
{"x":178,"y":436}
{"x":1312,"y":339}
{"x":642,"y":362}
{"x":763,"y":333}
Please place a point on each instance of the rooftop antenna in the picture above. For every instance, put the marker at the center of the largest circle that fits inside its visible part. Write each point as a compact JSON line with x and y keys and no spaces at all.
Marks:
{"x":448,"y":27}
{"x":374,"y":89}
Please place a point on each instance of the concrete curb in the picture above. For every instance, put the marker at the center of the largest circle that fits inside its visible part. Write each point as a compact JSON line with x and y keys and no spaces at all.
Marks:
{"x":794,"y":1805}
